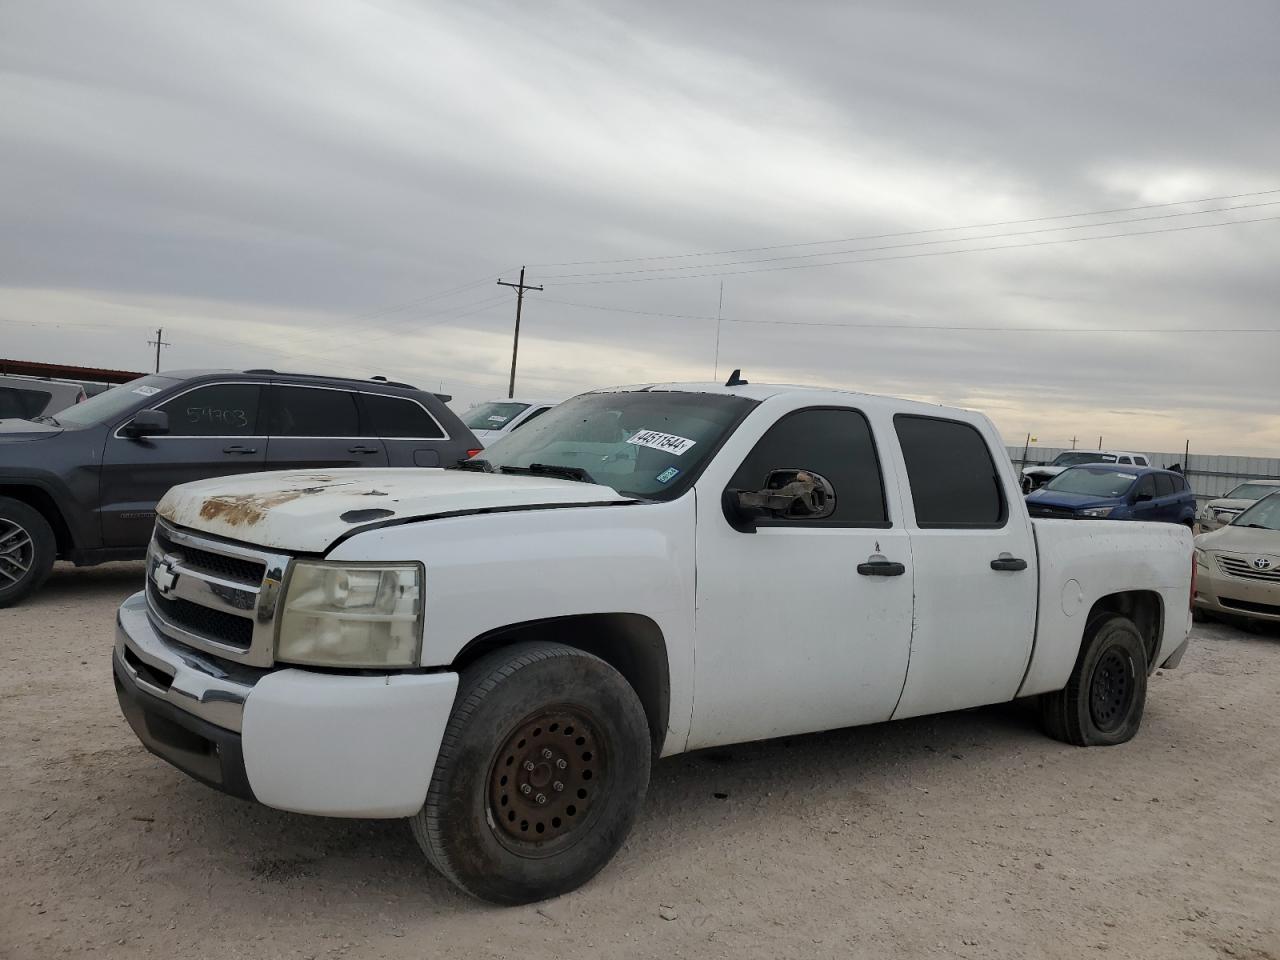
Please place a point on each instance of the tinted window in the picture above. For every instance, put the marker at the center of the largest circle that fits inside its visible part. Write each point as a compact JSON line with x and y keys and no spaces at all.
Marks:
{"x":1092,"y":481}
{"x":954,"y":482}
{"x":1146,"y":486}
{"x":531,"y":417}
{"x":1164,"y":485}
{"x":1141,"y":461}
{"x":307,"y":412}
{"x":1125,"y":460}
{"x":834,"y":443}
{"x":218,"y":410}
{"x":115,"y":402}
{"x":395,"y":417}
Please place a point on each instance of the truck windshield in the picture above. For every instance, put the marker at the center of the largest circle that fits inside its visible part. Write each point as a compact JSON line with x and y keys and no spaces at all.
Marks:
{"x":1093,"y":481}
{"x":1251,"y":491}
{"x":1265,"y":514}
{"x":649,"y":444}
{"x":1072,"y":457}
{"x":111,"y":403}
{"x":493,"y":416}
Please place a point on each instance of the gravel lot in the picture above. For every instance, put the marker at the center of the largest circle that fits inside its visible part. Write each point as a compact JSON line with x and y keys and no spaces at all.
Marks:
{"x":965,"y":835}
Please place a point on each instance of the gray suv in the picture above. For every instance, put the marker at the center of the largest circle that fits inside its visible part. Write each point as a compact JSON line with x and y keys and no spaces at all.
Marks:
{"x":83,"y":485}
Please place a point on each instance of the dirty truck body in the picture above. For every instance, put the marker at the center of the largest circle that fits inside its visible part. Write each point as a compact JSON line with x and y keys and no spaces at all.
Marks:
{"x":749,"y":562}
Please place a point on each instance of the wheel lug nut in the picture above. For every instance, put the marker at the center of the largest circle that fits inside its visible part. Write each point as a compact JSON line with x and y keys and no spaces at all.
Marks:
{"x":540,"y":798}
{"x":528,"y":765}
{"x":560,"y":764}
{"x":557,"y":786}
{"x":546,"y":754}
{"x":526,"y":789}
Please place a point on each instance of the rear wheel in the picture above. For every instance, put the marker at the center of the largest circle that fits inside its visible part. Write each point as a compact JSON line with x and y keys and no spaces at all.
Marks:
{"x":541,"y":772}
{"x":1103,"y":701}
{"x":27,"y":550}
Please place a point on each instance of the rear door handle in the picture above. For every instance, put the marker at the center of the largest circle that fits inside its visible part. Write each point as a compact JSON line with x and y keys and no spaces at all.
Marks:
{"x":1006,"y":562}
{"x":236,"y":448}
{"x":362,"y":449}
{"x":881,"y":568}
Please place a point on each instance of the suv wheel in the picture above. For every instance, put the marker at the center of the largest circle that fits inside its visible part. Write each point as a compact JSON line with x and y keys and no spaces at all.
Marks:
{"x":27,"y":550}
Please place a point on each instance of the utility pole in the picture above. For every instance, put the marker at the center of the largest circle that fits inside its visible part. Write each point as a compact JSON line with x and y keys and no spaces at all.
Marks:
{"x":715,"y":375}
{"x":1073,"y":443}
{"x":1099,"y":443}
{"x":519,"y":288}
{"x":159,"y":342}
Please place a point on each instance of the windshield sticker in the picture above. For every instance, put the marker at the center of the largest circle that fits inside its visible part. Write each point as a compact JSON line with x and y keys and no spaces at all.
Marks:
{"x":496,"y":419}
{"x":667,"y":475}
{"x":1128,"y":476}
{"x":662,"y":441}
{"x":146,"y":391}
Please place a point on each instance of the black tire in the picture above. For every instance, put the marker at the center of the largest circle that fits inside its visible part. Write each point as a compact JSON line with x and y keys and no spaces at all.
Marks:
{"x":580,"y":725}
{"x":1103,"y":701}
{"x":27,"y":550}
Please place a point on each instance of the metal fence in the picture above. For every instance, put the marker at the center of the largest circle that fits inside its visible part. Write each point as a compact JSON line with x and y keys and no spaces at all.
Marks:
{"x":1210,"y":475}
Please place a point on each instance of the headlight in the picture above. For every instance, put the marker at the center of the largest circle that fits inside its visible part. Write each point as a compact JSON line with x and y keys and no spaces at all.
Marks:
{"x":1202,"y":560}
{"x":1095,"y":512}
{"x":352,"y":615}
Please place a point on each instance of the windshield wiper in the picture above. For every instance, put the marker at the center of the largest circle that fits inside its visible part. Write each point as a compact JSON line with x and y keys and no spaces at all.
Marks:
{"x":1256,"y":526}
{"x":479,"y":466}
{"x":552,"y":470}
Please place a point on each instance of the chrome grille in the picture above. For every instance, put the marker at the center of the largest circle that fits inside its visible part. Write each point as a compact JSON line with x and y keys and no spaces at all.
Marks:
{"x":214,"y":595}
{"x":1243,"y":568}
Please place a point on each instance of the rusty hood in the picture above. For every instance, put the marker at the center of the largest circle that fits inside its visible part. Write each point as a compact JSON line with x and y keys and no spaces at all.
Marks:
{"x":305,"y":511}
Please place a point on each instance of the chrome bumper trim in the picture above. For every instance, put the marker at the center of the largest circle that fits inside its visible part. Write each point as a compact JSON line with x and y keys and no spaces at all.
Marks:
{"x":200,"y":687}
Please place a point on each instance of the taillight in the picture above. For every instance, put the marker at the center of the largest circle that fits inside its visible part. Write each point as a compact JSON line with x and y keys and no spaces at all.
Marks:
{"x":472,"y":453}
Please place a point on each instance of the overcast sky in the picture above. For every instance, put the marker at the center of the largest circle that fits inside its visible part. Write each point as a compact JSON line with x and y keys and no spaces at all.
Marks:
{"x":336,"y":186}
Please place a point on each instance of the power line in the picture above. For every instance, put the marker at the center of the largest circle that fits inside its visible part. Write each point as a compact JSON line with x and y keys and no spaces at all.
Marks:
{"x":912,"y":256}
{"x":159,"y":342}
{"x":919,"y":243}
{"x":909,"y":233}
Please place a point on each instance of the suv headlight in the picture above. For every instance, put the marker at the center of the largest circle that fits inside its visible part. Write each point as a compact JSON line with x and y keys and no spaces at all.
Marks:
{"x":352,"y":615}
{"x":1095,"y":512}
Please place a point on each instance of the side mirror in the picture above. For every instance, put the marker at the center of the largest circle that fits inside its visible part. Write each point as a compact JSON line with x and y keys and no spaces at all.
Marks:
{"x":791,"y":494}
{"x":146,"y":423}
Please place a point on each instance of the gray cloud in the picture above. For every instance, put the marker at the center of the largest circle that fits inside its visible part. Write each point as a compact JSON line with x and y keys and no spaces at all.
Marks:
{"x":266,"y":179}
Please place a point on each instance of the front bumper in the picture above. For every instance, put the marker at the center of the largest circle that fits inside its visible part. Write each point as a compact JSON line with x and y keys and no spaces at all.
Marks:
{"x":1233,"y":596}
{"x":338,"y":745}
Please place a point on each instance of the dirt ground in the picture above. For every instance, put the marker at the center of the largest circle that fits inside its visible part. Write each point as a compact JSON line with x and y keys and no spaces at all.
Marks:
{"x":967,"y":835}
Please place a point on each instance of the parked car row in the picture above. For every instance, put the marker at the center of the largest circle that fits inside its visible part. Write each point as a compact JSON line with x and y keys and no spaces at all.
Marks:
{"x":1035,"y":477}
{"x":1103,"y":491}
{"x":1238,"y":564}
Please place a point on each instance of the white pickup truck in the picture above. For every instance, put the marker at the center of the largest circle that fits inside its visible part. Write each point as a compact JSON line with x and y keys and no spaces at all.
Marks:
{"x":498,"y":652}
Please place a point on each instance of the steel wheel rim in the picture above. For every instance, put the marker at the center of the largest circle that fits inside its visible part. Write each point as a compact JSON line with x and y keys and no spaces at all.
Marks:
{"x":17,"y":552}
{"x":1111,"y":689}
{"x":529,"y":815}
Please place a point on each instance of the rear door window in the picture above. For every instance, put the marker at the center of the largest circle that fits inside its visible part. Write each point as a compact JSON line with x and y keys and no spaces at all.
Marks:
{"x":398,"y":418}
{"x":218,"y":410}
{"x":1165,"y":486}
{"x":954,"y":481}
{"x":835,"y":443}
{"x":312,"y":412}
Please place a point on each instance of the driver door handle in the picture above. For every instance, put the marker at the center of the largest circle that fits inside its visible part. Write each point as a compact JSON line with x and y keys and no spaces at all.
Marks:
{"x":236,"y":448}
{"x":360,"y":448}
{"x":880,"y":567}
{"x":1006,"y":562}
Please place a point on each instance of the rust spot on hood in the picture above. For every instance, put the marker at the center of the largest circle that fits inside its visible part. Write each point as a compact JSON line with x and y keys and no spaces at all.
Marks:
{"x":249,"y":508}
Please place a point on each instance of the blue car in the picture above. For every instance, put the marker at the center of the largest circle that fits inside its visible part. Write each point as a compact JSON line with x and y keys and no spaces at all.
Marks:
{"x":1107,"y":491}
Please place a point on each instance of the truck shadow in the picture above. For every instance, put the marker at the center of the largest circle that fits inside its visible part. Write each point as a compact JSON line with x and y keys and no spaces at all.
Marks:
{"x":688,"y":795}
{"x":108,"y":581}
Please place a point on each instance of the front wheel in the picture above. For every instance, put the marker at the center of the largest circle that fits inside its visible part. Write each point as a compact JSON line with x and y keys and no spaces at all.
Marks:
{"x":1103,"y":701}
{"x":541,"y":773}
{"x":27,"y":550}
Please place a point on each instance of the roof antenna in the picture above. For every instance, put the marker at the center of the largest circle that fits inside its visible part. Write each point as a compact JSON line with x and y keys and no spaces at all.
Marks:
{"x":735,"y":379}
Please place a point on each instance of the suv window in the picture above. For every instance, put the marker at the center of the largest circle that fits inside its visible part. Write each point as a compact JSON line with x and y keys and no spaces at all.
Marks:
{"x":398,"y":418}
{"x":1125,"y":460}
{"x":1165,"y":486}
{"x":533,"y":416}
{"x":312,"y":412}
{"x":954,"y":481}
{"x":1141,"y":461}
{"x":835,"y":443}
{"x":218,"y":410}
{"x":1146,"y":486}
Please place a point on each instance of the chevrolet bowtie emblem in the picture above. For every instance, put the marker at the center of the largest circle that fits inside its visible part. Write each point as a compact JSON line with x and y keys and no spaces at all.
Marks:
{"x":164,"y":577}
